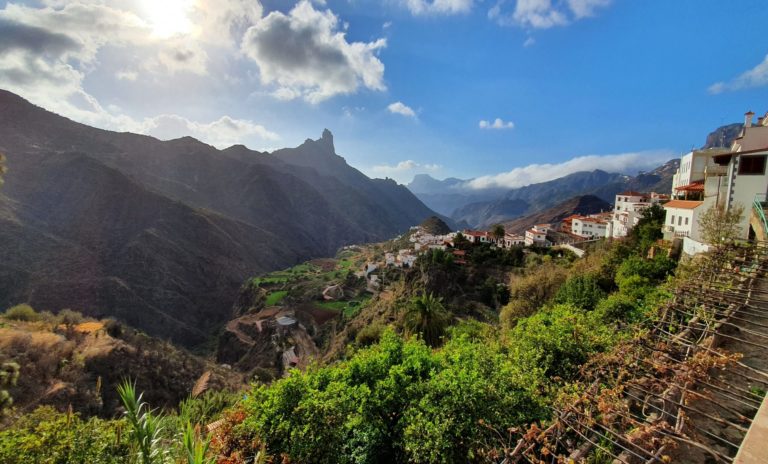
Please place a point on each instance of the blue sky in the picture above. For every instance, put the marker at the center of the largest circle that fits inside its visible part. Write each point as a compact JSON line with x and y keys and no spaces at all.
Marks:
{"x":406,"y":86}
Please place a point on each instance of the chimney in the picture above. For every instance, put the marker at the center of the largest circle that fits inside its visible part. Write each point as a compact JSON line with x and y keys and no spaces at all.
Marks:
{"x":748,"y":118}
{"x":760,"y":120}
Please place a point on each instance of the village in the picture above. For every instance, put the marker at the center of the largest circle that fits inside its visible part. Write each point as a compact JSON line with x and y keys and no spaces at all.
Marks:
{"x":729,"y":178}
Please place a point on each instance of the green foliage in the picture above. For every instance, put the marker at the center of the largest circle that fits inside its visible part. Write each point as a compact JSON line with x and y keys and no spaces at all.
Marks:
{"x":275,"y":297}
{"x":531,"y":291}
{"x":9,"y":374}
{"x":46,"y":436}
{"x":498,"y":232}
{"x":427,"y":317}
{"x":719,"y":226}
{"x":145,"y":425}
{"x":196,"y":447}
{"x":618,"y":307}
{"x":648,"y":228}
{"x":22,"y":312}
{"x":397,"y":401}
{"x":655,"y":270}
{"x":435,"y":257}
{"x":205,"y":408}
{"x":559,"y":340}
{"x":581,"y":291}
{"x":369,"y":335}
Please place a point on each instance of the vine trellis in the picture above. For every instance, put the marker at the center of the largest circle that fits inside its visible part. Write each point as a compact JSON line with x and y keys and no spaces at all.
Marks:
{"x":682,"y":390}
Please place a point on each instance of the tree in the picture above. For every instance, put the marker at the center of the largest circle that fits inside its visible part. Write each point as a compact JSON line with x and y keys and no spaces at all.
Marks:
{"x":582,"y":291}
{"x":648,"y":227}
{"x":719,"y":226}
{"x":460,"y":241}
{"x":427,"y":316}
{"x":497,"y":232}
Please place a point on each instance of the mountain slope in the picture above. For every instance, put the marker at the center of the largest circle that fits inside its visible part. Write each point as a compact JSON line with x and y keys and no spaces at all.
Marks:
{"x":162,"y":233}
{"x":586,"y":204}
{"x":538,"y":197}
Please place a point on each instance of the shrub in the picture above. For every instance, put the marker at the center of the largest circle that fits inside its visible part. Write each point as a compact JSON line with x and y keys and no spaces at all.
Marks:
{"x":369,"y":335}
{"x":397,"y":401}
{"x":46,"y":436}
{"x":22,"y":312}
{"x":616,"y":307}
{"x":581,"y":291}
{"x":559,"y":340}
{"x":529,"y":293}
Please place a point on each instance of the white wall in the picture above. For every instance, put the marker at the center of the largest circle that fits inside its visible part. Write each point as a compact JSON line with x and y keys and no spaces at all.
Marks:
{"x":683,"y":221}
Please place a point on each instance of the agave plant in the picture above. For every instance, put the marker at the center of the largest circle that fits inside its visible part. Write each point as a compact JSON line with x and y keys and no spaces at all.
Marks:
{"x":146,"y":426}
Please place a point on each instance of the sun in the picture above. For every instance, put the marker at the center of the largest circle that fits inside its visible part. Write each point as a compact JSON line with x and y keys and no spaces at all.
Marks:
{"x":169,"y":17}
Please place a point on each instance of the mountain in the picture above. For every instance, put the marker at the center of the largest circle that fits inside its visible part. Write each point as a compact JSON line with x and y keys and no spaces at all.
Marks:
{"x":161,"y":234}
{"x":585,"y":204}
{"x":538,"y":197}
{"x":435,"y":226}
{"x":445,"y":196}
{"x":723,"y":136}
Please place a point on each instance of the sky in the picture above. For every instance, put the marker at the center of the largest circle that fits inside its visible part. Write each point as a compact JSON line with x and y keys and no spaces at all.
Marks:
{"x":507,"y":92}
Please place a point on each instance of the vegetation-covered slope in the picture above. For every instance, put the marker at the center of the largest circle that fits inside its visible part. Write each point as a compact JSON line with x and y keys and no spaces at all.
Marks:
{"x":162,"y":233}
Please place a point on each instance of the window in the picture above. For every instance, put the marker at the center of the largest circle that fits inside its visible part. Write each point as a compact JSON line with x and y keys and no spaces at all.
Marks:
{"x":752,"y":165}
{"x":679,"y":220}
{"x":686,"y":221}
{"x":672,"y":220}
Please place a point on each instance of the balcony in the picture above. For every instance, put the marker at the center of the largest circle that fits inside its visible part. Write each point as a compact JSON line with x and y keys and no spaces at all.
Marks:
{"x":715,"y":170}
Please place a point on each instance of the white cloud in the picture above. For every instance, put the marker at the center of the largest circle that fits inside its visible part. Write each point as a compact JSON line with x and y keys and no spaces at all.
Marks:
{"x":497,"y":123}
{"x":126,"y":75}
{"x":405,"y":166}
{"x":447,"y":7}
{"x":544,"y":14}
{"x":535,"y":173}
{"x":306,"y":52}
{"x":755,"y":77}
{"x":530,"y":41}
{"x":222,"y":133}
{"x":402,"y":109}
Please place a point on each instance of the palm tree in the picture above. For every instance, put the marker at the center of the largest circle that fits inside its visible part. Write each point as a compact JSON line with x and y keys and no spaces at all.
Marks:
{"x":498,"y":232}
{"x":427,"y":316}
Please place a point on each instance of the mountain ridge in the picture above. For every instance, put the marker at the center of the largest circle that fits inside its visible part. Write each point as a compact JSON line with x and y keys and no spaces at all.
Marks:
{"x":221,"y":216}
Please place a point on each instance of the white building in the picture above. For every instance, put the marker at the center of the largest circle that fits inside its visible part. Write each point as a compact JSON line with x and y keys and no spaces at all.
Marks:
{"x":739,"y":176}
{"x":512,"y":240}
{"x":535,"y":237}
{"x":682,"y":219}
{"x":692,"y":170}
{"x":628,"y":209}
{"x":588,"y":227}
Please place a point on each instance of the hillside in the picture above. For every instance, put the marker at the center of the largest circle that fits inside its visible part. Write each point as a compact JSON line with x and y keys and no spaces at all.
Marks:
{"x":71,"y":362}
{"x":538,"y":197}
{"x":586,"y":204}
{"x":162,"y":234}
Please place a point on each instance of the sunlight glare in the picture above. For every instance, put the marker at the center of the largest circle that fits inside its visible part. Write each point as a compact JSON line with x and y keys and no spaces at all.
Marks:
{"x":169,"y":17}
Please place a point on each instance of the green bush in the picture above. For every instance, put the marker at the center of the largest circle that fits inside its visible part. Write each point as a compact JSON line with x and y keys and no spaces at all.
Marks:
{"x":397,"y":401}
{"x":22,"y":312}
{"x":581,"y":291}
{"x":559,"y":340}
{"x":46,"y":436}
{"x":618,"y":307}
{"x":369,"y":335}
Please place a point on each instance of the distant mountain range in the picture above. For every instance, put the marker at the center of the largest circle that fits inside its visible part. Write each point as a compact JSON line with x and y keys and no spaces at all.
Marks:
{"x":161,"y":234}
{"x":485,"y":207}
